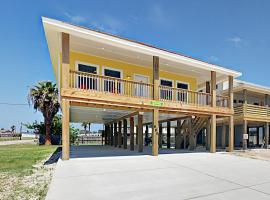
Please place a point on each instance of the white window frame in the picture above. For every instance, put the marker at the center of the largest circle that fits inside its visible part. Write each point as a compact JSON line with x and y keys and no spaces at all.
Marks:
{"x":148,"y":81}
{"x":183,"y":89}
{"x":77,"y":62}
{"x":173,"y":86}
{"x":121,"y":76}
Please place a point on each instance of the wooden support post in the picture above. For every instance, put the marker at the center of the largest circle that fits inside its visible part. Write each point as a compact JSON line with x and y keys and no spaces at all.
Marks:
{"x":244,"y":141}
{"x":155,"y":133}
{"x":160,"y":136}
{"x":266,"y":135}
{"x":208,"y":134}
{"x":192,"y":143}
{"x":125,"y":133}
{"x":146,"y":135}
{"x":231,"y":118}
{"x":140,"y":133}
{"x":207,"y":90}
{"x":111,"y":132}
{"x":65,"y":129}
{"x":137,"y":138}
{"x":115,"y":135}
{"x":65,"y":60}
{"x":131,"y":128}
{"x":213,"y":134}
{"x":120,"y":134}
{"x":213,"y":116}
{"x":168,"y":135}
{"x":178,"y":134}
{"x":223,"y":136}
{"x":266,"y":128}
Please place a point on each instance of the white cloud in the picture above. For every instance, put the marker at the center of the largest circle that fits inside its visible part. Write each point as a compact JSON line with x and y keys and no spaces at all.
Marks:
{"x":104,"y":23}
{"x":213,"y":59}
{"x":236,"y":40}
{"x":75,"y":19}
{"x":108,"y":24}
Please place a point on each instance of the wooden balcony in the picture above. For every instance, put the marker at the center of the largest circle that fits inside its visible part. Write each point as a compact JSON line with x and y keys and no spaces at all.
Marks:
{"x":252,"y":112}
{"x":131,"y":91}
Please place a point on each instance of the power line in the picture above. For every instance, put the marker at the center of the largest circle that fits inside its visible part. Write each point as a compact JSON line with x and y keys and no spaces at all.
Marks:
{"x":14,"y":104}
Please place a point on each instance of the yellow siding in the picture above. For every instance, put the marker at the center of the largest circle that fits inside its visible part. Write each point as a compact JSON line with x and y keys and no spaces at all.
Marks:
{"x":128,"y":69}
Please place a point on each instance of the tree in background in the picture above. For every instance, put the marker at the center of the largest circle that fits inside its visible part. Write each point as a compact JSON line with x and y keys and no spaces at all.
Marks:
{"x":85,"y":125}
{"x":44,"y":97}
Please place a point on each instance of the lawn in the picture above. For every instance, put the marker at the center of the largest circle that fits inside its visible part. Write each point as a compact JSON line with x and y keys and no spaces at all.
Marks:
{"x":23,"y":174}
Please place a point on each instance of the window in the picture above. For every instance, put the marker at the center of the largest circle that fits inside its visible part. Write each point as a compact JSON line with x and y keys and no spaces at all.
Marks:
{"x":87,"y":81}
{"x":110,"y":84}
{"x":182,"y":95}
{"x":166,"y":92}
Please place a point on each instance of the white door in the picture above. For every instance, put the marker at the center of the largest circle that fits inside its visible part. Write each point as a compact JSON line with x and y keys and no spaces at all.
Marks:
{"x":142,"y":89}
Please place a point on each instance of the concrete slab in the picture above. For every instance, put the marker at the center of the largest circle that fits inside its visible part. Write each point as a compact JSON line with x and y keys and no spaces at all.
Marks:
{"x":95,"y":172}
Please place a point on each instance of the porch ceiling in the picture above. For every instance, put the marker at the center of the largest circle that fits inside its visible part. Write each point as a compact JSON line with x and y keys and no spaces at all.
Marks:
{"x":80,"y":114}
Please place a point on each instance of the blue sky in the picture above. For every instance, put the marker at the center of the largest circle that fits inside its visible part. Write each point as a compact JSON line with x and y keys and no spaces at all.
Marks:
{"x":234,"y":34}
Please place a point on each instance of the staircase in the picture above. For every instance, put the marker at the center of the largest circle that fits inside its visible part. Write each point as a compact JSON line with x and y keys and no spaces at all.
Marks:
{"x":197,"y":124}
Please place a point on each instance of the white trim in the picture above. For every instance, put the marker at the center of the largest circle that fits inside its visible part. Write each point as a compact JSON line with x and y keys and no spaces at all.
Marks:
{"x":77,"y":62}
{"x":114,"y":69}
{"x":141,"y":91}
{"x":148,"y":77}
{"x":187,"y":83}
{"x":186,"y":100}
{"x":134,"y":46}
{"x":165,"y":79}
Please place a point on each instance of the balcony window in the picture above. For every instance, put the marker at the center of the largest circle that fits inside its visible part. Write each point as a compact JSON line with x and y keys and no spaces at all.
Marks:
{"x":85,"y":81}
{"x":166,"y":92}
{"x":182,"y":95}
{"x":111,"y":84}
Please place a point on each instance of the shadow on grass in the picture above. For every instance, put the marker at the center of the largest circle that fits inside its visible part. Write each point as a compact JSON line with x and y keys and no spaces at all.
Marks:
{"x":54,"y":157}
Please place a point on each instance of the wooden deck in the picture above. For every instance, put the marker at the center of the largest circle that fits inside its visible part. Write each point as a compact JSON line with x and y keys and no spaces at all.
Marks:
{"x":97,"y":89}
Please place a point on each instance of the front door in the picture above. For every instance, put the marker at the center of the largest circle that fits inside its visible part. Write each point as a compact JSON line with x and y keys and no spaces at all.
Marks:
{"x":140,"y":89}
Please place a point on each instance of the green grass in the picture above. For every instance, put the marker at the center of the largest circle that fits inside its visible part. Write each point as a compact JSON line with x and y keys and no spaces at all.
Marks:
{"x":21,"y":158}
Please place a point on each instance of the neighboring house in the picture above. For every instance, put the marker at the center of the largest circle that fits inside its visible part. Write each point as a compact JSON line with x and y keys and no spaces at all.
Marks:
{"x":118,"y":82}
{"x":251,"y":115}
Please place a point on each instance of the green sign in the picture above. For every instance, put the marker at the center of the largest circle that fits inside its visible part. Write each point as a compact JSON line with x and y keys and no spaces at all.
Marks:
{"x":156,"y":103}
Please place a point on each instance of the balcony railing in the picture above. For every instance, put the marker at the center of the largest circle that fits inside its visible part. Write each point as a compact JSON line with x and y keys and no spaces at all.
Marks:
{"x":116,"y":86}
{"x":252,"y":110}
{"x":184,"y":96}
{"x":96,"y":83}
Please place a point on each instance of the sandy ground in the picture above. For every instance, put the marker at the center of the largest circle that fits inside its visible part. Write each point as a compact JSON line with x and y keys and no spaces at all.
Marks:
{"x":261,"y":154}
{"x":17,"y":142}
{"x":28,"y":187}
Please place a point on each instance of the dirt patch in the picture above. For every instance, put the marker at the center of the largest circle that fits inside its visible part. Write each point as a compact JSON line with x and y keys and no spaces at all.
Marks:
{"x":261,"y":154}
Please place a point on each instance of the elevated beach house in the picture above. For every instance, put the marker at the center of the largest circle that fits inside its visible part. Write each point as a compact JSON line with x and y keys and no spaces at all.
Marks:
{"x":128,"y":85}
{"x":251,"y":116}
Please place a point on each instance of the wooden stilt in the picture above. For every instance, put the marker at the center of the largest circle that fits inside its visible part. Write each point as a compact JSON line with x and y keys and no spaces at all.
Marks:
{"x":125,"y":133}
{"x":120,"y":134}
{"x":65,"y":129}
{"x":140,"y":133}
{"x":131,"y":133}
{"x":168,"y":135}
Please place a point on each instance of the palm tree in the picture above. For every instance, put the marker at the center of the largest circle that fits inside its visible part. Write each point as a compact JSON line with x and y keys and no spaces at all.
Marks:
{"x":84,"y":125}
{"x":44,"y":97}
